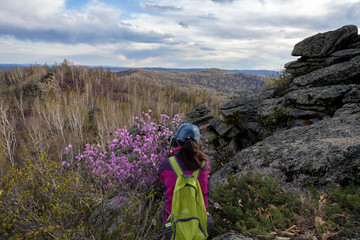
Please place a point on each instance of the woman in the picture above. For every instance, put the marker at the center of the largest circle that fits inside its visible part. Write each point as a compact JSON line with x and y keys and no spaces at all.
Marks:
{"x":185,"y":147}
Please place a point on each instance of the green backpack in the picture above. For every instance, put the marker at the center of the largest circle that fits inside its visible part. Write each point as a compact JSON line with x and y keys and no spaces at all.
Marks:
{"x":188,"y":217}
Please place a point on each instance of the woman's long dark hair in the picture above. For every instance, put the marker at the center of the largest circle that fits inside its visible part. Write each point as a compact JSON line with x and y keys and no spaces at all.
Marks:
{"x":191,"y":153}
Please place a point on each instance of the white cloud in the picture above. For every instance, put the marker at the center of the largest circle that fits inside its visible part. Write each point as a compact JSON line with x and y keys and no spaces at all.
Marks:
{"x":183,"y":33}
{"x":33,"y":8}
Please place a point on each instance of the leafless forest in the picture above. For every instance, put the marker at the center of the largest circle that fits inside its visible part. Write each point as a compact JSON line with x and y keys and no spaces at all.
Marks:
{"x":43,"y":109}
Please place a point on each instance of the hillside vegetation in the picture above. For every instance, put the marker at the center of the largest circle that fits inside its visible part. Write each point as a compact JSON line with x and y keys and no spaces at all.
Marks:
{"x":214,"y":81}
{"x":43,"y":109}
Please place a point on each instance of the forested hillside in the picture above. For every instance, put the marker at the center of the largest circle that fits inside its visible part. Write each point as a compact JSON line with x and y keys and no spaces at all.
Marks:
{"x":43,"y":109}
{"x":213,"y":80}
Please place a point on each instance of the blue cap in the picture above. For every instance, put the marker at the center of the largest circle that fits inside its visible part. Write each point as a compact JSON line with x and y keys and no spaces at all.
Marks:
{"x":188,"y":130}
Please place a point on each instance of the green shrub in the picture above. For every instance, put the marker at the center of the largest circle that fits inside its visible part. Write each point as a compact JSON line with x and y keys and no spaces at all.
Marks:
{"x":280,"y":81}
{"x":254,"y":205}
{"x":277,"y":119}
{"x":45,"y":201}
{"x":348,"y":198}
{"x":257,"y":205}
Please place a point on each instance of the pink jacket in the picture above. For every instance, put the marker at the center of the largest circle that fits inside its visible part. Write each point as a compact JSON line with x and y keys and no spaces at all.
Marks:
{"x":168,"y":179}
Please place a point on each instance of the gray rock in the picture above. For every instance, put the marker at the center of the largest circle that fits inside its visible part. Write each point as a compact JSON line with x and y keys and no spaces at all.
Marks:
{"x":247,"y":103}
{"x":356,"y":43}
{"x":109,"y":214}
{"x":253,"y":127}
{"x":304,"y":66}
{"x":269,"y":106}
{"x":247,"y":114}
{"x":225,"y":131}
{"x":233,"y":236}
{"x":334,"y":74}
{"x":353,"y":96}
{"x":342,"y":56}
{"x":322,"y":153}
{"x":220,"y":127}
{"x":317,"y":98}
{"x":199,"y":116}
{"x":233,"y":132}
{"x":349,"y":111}
{"x":323,"y":44}
{"x":297,"y":113}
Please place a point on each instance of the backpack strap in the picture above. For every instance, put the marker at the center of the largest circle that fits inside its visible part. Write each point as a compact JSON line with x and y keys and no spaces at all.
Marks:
{"x":175,"y":166}
{"x":179,"y":172}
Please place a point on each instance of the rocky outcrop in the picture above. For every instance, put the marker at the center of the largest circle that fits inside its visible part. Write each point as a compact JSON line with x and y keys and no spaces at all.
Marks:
{"x":318,"y":154}
{"x":42,"y":88}
{"x":323,"y":44}
{"x":344,"y":72}
{"x":199,"y":116}
{"x":310,"y":135}
{"x":324,"y":49}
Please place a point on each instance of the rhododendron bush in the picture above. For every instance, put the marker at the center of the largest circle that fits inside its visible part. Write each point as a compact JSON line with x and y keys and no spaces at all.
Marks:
{"x":131,"y":161}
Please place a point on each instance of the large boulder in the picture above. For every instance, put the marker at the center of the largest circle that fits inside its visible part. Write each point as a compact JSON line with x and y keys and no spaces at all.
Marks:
{"x":245,"y":112}
{"x":246,"y":104}
{"x":323,"y":44}
{"x":304,"y":66}
{"x":222,"y":129}
{"x":345,"y":72}
{"x":327,"y":98}
{"x":199,"y":116}
{"x":325,"y":152}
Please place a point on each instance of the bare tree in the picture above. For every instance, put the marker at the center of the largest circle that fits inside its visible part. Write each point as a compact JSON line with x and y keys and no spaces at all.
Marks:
{"x":38,"y":135}
{"x":20,"y":106}
{"x":8,"y":136}
{"x":56,"y":116}
{"x":43,"y":114}
{"x":75,"y":113}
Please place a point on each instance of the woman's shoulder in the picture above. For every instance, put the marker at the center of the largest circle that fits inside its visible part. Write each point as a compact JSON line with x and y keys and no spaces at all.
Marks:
{"x":165,"y":162}
{"x":164,"y":165}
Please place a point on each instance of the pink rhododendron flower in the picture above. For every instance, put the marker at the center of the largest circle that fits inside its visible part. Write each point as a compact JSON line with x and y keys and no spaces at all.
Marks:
{"x":131,"y":162}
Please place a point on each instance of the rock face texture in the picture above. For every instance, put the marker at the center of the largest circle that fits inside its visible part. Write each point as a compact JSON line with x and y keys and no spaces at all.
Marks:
{"x":310,"y":135}
{"x":323,"y":44}
{"x":324,"y":49}
{"x":321,"y":153}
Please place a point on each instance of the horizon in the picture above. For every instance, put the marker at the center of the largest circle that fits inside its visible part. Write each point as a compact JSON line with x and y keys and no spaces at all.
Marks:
{"x":8,"y":66}
{"x":224,"y":34}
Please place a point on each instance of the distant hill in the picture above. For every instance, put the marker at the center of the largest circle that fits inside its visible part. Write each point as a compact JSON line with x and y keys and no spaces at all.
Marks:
{"x":257,"y":72}
{"x":211,"y":80}
{"x":10,"y":66}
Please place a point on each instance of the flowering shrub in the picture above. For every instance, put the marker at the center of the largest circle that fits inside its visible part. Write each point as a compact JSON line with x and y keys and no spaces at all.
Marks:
{"x":131,"y":161}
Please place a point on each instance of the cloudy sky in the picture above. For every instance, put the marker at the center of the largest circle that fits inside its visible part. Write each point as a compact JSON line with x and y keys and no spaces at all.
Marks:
{"x":227,"y":34}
